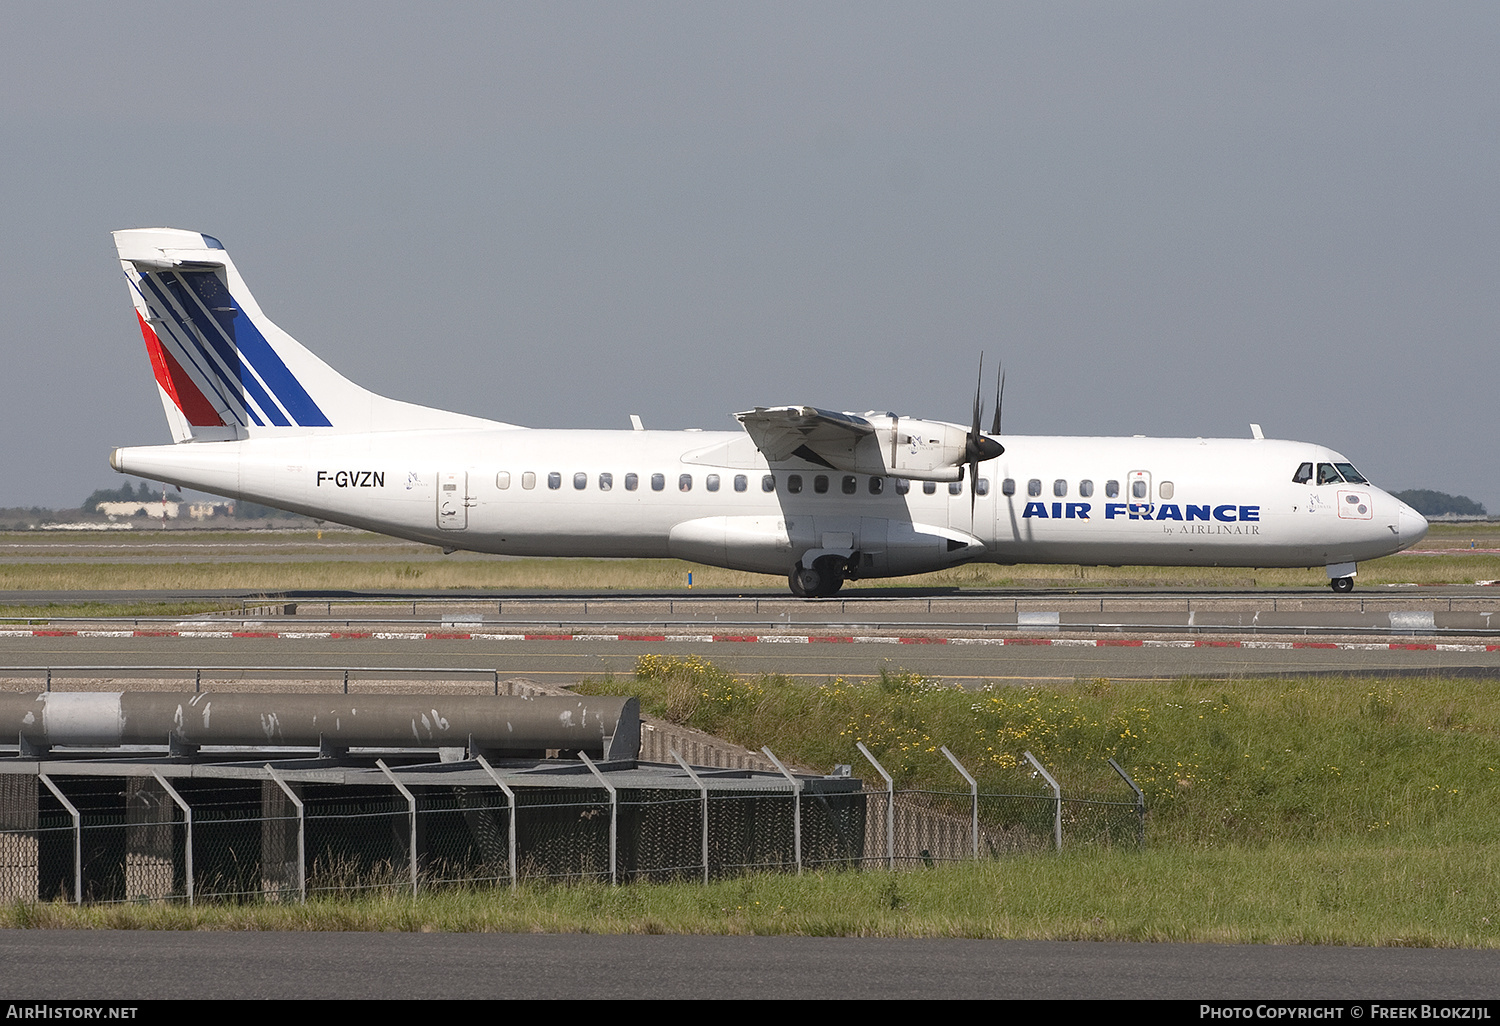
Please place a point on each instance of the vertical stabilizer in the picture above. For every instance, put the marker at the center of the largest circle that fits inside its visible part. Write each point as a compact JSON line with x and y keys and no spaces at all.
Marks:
{"x":224,"y":369}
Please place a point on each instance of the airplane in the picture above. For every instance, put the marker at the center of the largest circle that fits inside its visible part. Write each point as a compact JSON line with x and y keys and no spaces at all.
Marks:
{"x":818,"y":495}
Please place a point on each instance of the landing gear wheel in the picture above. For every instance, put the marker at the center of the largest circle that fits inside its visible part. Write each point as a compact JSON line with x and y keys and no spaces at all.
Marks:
{"x":805,"y":583}
{"x":1342,"y":585}
{"x":824,"y":578}
{"x":830,"y":570}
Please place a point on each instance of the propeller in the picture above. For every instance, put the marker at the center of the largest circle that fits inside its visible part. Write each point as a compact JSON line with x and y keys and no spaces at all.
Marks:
{"x":999,"y":404}
{"x":978,"y":448}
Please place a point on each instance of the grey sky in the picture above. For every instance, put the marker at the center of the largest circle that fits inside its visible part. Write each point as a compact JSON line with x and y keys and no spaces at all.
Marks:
{"x":1167,"y":219}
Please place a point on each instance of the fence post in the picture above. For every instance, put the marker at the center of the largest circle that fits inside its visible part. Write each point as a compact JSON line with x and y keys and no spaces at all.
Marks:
{"x":511,"y":796}
{"x":796,"y":808}
{"x":614,"y":808}
{"x":1057,"y":794}
{"x":77,"y":836}
{"x":301,"y":833}
{"x":187,"y":816}
{"x":1140,"y":804}
{"x":703,"y":790}
{"x":411,"y":804}
{"x":890,"y":806}
{"x":973,"y":800}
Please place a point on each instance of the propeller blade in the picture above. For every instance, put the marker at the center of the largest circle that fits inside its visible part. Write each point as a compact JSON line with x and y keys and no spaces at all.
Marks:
{"x":999,"y":402}
{"x":974,"y":429}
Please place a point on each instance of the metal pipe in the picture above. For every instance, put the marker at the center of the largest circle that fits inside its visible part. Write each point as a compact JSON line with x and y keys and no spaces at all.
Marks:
{"x":796,"y":806}
{"x":187,"y":819}
{"x":614,"y":814}
{"x":301,"y":831}
{"x":973,"y":799}
{"x":1057,"y":797}
{"x":890,"y":806}
{"x":411,"y":806}
{"x":77,"y":836}
{"x":703,"y":791}
{"x":607,"y":727}
{"x":511,"y":797}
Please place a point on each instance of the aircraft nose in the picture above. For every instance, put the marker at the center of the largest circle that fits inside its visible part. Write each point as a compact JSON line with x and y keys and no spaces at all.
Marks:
{"x":1411,"y":526}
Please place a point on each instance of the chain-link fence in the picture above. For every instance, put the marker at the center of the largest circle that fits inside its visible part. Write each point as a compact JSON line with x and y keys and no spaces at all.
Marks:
{"x":260,"y":834}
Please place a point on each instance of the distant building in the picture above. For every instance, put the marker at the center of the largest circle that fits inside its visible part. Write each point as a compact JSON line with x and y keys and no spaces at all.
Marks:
{"x":204,"y":510}
{"x":153,"y":508}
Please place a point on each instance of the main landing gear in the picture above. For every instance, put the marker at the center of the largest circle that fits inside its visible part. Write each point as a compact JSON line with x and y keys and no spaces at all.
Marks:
{"x":821,"y":580}
{"x":1342,"y":585}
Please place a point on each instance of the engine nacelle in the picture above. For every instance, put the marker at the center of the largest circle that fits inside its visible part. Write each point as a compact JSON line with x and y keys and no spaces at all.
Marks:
{"x":922,"y":450}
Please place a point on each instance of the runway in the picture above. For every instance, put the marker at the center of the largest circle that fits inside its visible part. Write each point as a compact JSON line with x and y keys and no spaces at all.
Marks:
{"x":971,"y":640}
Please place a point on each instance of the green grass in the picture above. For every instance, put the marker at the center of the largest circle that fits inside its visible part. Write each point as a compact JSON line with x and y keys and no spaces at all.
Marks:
{"x":317,"y":574}
{"x":1427,"y":896}
{"x":1413,"y":761}
{"x":87,"y":610}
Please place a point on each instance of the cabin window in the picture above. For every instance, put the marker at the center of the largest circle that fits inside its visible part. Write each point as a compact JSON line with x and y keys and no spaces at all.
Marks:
{"x":1303,"y":474}
{"x":554,"y":480}
{"x":794,"y":483}
{"x":981,"y":486}
{"x":528,"y":480}
{"x":1138,"y":489}
{"x":1167,"y":489}
{"x":580,"y":480}
{"x":820,"y":484}
{"x":1008,"y":486}
{"x":1085,"y":488}
{"x":1328,"y":475}
{"x":684,"y":482}
{"x":741,"y":482}
{"x":1350,"y":474}
{"x":1111,"y":489}
{"x":1034,"y":487}
{"x":929,"y":487}
{"x":658,"y":482}
{"x":502,"y":480}
{"x":902,"y":486}
{"x":606,"y":482}
{"x":632,"y":482}
{"x":1059,"y":488}
{"x":877,"y":485}
{"x":850,"y":484}
{"x":955,"y":487}
{"x":768,"y":483}
{"x":711,"y":482}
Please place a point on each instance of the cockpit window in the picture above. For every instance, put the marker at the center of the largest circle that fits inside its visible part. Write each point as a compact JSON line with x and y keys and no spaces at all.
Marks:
{"x":1350,"y":474}
{"x":1328,"y":475}
{"x":1303,"y":474}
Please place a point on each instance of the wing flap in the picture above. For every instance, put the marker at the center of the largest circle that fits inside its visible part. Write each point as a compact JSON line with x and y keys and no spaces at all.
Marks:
{"x":779,"y":432}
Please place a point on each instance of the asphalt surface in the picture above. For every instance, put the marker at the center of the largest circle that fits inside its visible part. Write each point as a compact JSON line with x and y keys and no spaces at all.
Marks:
{"x":126,"y":965}
{"x":567,"y":661}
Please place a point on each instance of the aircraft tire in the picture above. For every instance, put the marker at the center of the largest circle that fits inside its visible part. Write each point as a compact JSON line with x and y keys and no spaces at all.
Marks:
{"x":1342,"y":585}
{"x":832,"y":573}
{"x":805,"y":582}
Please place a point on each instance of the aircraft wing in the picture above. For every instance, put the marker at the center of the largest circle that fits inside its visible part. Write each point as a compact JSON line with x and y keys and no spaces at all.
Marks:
{"x":819,"y":436}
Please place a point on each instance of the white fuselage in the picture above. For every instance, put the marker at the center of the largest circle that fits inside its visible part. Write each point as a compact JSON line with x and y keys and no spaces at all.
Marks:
{"x":1176,"y":502}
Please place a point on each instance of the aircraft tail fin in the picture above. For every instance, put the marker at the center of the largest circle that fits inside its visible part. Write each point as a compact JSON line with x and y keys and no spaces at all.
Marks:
{"x":224,"y":369}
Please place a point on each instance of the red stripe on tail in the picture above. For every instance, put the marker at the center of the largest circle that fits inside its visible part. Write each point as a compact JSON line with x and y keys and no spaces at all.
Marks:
{"x":176,"y":383}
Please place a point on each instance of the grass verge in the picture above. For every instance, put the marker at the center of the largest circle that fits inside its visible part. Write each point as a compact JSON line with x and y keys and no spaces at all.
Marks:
{"x":606,"y":575}
{"x":1430,"y":896}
